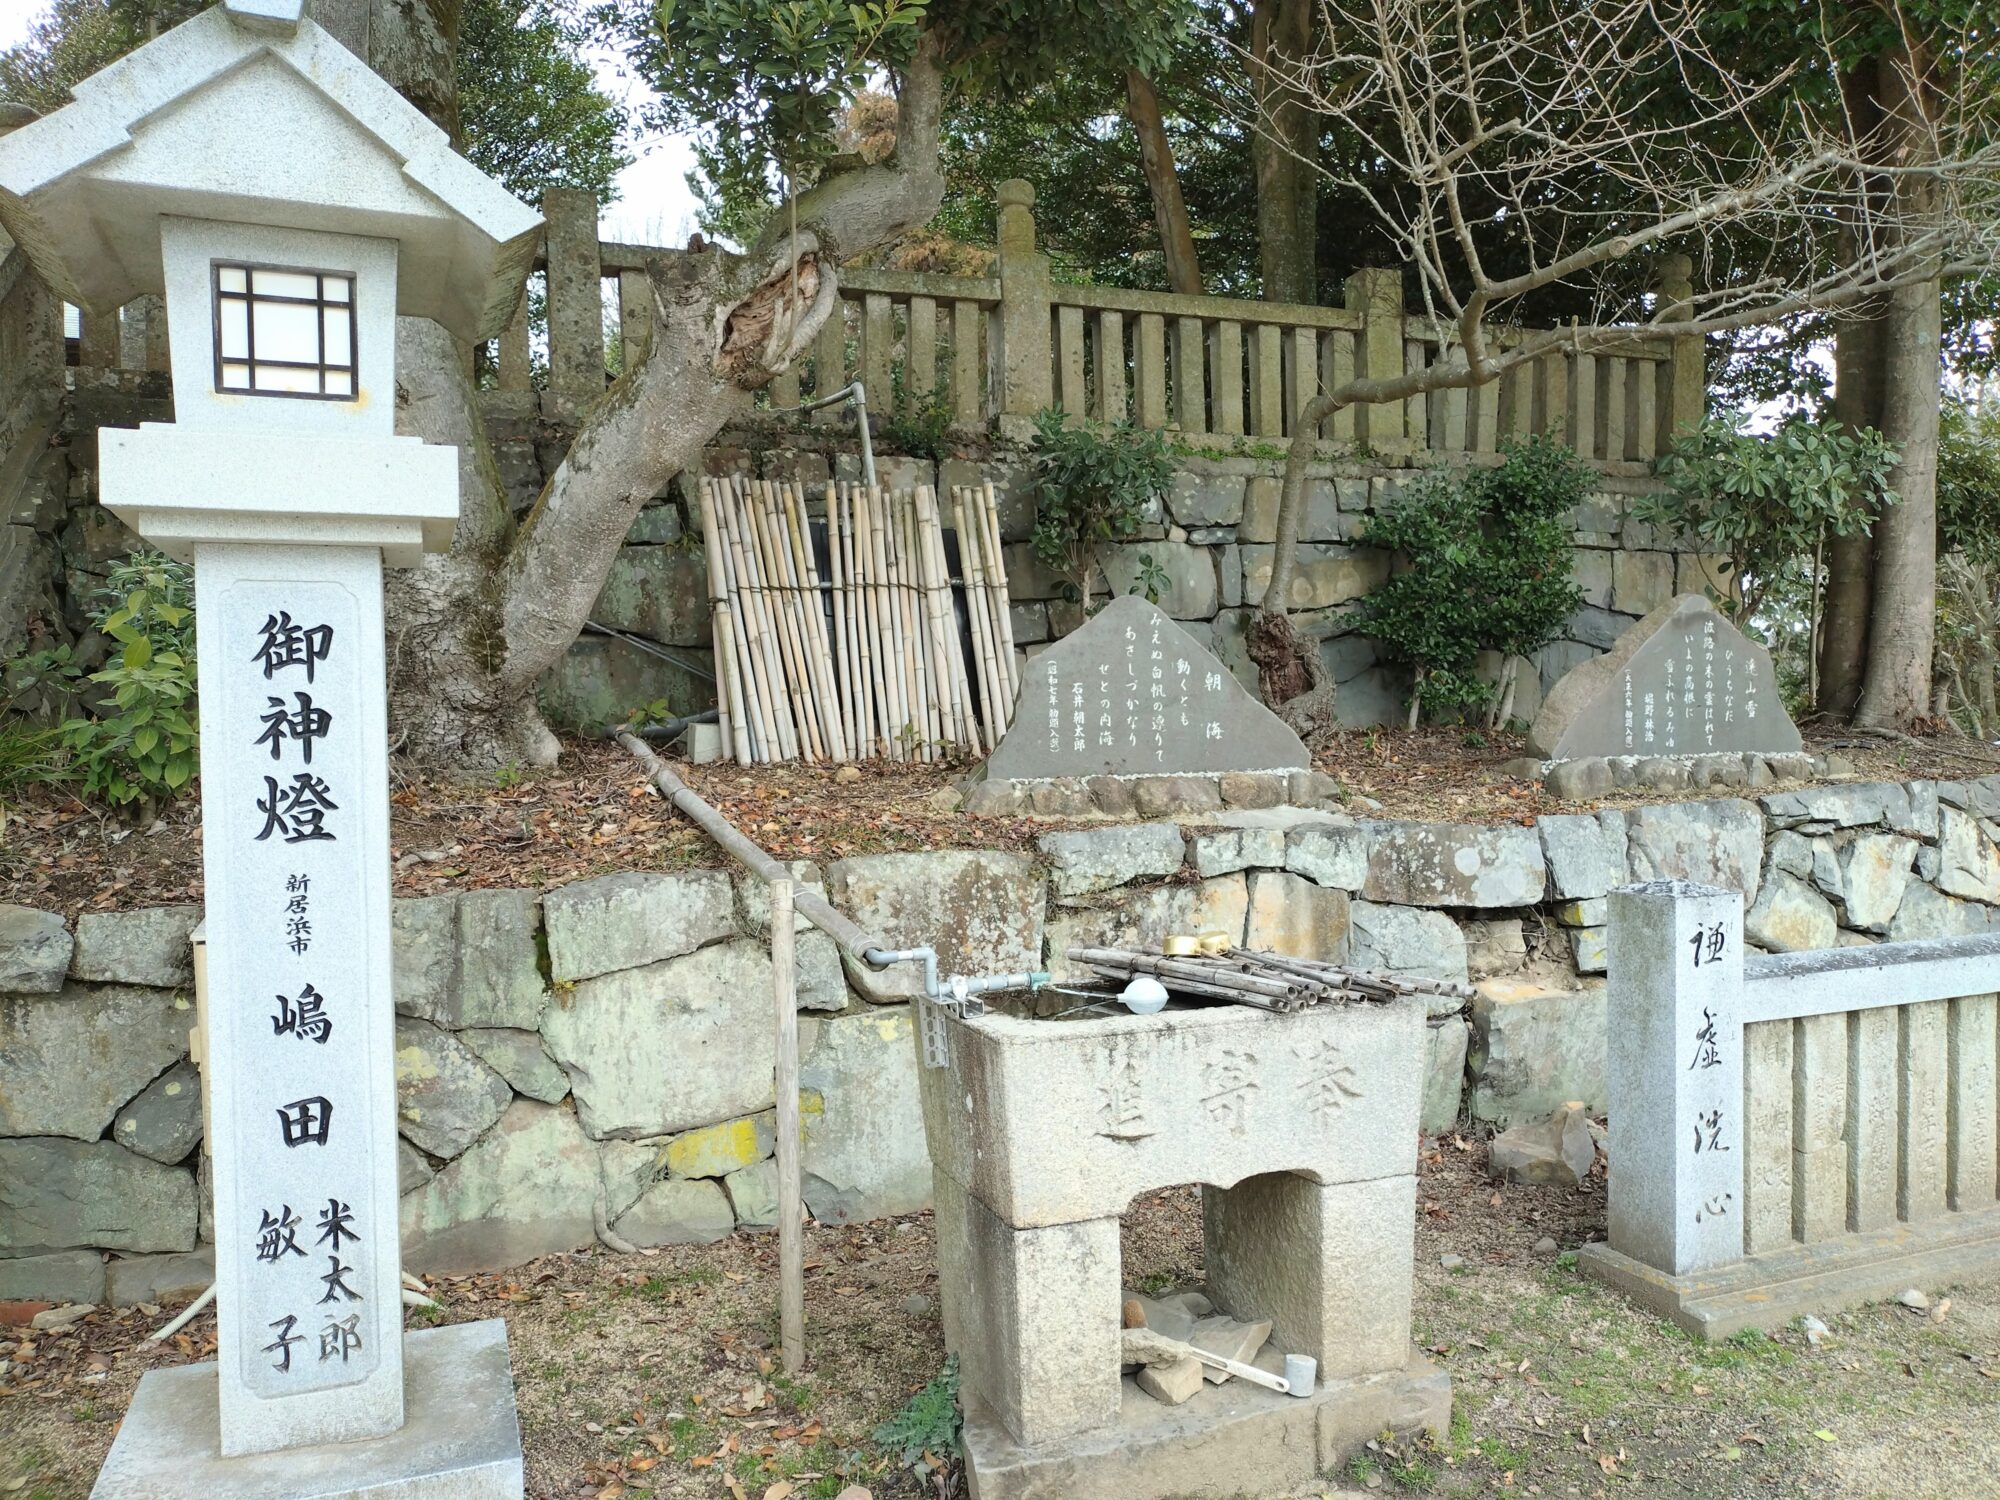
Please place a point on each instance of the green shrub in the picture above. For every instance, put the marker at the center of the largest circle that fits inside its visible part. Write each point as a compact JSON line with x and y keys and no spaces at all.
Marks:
{"x":1094,"y":482}
{"x":141,"y":746}
{"x":1484,"y":565}
{"x":1770,"y":503}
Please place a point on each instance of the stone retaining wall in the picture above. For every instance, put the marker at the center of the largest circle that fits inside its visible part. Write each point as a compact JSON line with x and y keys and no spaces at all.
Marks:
{"x":605,"y":1048}
{"x":1212,"y":538}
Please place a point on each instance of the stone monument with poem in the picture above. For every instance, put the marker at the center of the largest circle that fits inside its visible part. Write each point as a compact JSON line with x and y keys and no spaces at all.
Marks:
{"x":1131,"y":693}
{"x":1683,"y":681}
{"x":289,"y":205}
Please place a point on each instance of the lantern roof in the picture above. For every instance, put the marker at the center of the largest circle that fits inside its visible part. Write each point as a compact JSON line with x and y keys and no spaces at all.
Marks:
{"x":251,"y":114}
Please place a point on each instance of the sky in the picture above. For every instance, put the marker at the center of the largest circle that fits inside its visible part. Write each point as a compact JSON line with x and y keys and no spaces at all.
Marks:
{"x":654,"y":205}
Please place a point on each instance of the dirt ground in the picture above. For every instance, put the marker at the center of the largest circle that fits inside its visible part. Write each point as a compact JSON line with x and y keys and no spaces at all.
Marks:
{"x":652,"y":1375}
{"x":595,"y":813}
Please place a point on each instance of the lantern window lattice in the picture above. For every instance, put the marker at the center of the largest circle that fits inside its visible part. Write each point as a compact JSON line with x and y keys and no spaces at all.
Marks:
{"x":284,"y":332}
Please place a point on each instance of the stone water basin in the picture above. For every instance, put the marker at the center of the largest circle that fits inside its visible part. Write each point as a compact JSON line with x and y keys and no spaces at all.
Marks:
{"x":1055,"y":1121}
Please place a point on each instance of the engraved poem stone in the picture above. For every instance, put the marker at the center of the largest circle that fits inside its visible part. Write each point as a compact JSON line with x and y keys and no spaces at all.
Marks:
{"x":1683,"y":681}
{"x":1133,"y":694}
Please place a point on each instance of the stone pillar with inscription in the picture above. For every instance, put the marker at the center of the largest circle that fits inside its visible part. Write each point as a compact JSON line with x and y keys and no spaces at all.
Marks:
{"x":282,"y":479}
{"x":1674,"y":1074}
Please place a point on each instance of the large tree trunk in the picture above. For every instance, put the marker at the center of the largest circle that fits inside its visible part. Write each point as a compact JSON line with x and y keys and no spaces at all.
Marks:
{"x":471,"y":633}
{"x":1850,"y":561}
{"x":1156,"y":156}
{"x":1896,"y":688}
{"x":1284,"y":150}
{"x":1857,"y":403}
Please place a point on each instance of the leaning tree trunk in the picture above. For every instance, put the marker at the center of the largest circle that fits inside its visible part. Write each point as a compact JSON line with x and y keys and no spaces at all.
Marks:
{"x":471,"y":633}
{"x":1896,"y":689}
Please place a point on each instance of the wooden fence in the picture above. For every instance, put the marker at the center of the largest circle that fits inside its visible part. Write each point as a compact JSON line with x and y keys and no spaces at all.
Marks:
{"x":1008,"y":345}
{"x":1226,"y":371}
{"x":1797,"y":1132}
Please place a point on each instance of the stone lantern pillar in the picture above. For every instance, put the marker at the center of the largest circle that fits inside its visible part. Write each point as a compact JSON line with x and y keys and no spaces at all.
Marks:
{"x":289,"y":206}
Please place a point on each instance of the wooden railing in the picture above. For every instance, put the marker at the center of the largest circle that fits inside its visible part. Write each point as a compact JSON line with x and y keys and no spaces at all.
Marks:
{"x":1795,"y":1132}
{"x":1006,"y":346}
{"x":1221,"y":371}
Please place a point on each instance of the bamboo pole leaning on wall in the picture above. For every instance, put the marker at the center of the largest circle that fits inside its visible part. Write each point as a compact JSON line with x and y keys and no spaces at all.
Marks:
{"x":868,"y":659}
{"x":976,"y":618}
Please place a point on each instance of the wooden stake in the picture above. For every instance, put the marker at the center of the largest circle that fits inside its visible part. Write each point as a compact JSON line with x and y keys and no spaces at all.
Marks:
{"x":791,"y":1229}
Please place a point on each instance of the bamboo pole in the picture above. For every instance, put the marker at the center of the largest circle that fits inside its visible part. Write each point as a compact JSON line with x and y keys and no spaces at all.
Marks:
{"x":912,"y":618}
{"x":937,"y":605}
{"x":843,"y":642}
{"x":859,"y":625}
{"x":865,"y":639}
{"x":780,"y":742}
{"x":975,"y":618}
{"x":791,"y":1231}
{"x":798,"y":526}
{"x":965,"y":727}
{"x":784,"y":744}
{"x":757,"y":725}
{"x":790,"y":658}
{"x":997,"y":591}
{"x":979,"y":601}
{"x":887,"y":649}
{"x":735,"y":735}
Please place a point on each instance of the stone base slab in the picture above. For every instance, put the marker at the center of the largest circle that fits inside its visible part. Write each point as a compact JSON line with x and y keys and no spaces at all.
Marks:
{"x":460,"y":1438}
{"x":1227,"y":1440}
{"x":1183,"y":794}
{"x":1769,"y":1291}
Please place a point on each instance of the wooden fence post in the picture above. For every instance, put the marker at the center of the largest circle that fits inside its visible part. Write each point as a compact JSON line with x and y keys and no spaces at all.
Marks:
{"x":1683,"y":377}
{"x":1674,"y":1075}
{"x":576,"y":295}
{"x":98,"y":349}
{"x":1021,"y":376}
{"x":516,"y":365}
{"x":1377,"y":294}
{"x":635,"y":317}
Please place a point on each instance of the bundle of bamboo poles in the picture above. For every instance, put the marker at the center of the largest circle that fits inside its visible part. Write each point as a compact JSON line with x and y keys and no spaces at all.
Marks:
{"x":870,"y":661}
{"x":1268,"y":981}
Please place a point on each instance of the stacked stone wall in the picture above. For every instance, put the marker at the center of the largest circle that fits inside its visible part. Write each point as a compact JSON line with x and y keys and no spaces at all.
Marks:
{"x":601,"y":1053}
{"x":1212,"y":539}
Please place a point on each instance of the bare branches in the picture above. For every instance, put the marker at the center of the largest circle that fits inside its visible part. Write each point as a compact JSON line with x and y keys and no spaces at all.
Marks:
{"x":1510,"y":149}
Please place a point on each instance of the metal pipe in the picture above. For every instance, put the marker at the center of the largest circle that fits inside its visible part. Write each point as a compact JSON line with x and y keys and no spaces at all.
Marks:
{"x":856,"y":395}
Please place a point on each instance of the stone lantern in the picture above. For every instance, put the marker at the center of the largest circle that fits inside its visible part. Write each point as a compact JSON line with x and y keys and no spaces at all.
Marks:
{"x":289,"y":205}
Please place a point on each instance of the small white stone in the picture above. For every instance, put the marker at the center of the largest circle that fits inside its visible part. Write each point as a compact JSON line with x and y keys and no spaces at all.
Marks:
{"x":1452,"y":1262}
{"x":1913,"y":1299}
